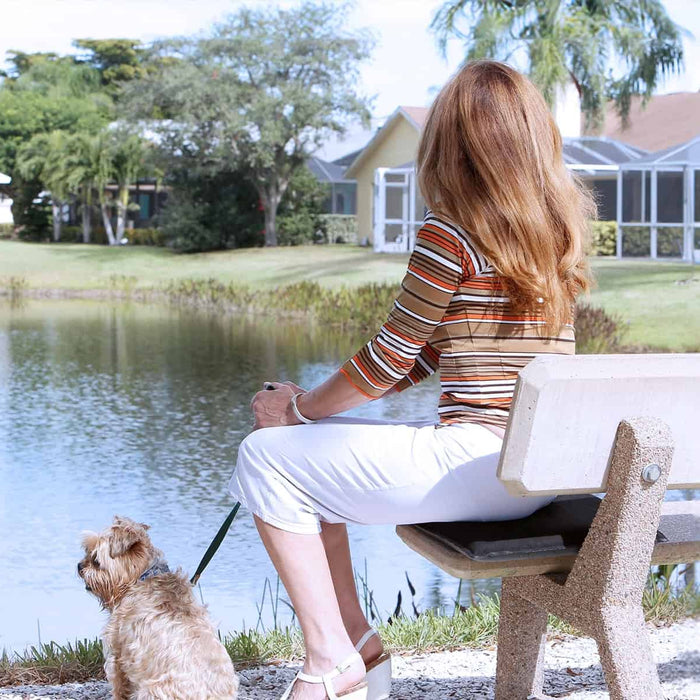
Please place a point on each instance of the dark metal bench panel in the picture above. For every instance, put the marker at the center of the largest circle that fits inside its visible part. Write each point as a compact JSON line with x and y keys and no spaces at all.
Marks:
{"x":559,"y":528}
{"x":447,"y":546}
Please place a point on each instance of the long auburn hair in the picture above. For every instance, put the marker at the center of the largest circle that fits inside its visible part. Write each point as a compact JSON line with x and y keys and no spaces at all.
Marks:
{"x":490,"y":160}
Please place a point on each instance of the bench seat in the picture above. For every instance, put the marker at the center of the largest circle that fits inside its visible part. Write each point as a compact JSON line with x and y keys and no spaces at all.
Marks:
{"x":546,"y":542}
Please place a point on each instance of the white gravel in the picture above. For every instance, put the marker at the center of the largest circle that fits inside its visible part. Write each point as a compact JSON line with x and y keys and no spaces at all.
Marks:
{"x":573,"y":671}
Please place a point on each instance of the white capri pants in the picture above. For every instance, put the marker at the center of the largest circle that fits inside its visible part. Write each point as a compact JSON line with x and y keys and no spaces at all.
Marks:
{"x":345,"y":470}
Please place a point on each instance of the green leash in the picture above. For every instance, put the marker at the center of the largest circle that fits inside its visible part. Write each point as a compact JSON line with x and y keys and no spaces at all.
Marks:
{"x":219,"y":538}
{"x":215,"y":544}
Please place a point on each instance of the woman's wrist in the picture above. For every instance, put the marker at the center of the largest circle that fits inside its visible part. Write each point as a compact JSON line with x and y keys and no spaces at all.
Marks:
{"x":302,"y":402}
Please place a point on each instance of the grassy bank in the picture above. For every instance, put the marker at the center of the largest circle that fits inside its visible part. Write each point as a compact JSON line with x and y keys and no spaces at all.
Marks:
{"x":658,"y":302}
{"x":474,"y":627}
{"x":73,"y":266}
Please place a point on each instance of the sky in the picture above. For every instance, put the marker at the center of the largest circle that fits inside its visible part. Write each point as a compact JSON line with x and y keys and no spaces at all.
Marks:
{"x":405,"y":68}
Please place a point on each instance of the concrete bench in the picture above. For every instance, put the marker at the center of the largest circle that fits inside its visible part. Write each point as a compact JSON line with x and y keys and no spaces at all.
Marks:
{"x":627,"y":426}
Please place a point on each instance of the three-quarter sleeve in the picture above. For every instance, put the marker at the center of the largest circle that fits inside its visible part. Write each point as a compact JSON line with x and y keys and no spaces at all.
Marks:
{"x":437,"y":266}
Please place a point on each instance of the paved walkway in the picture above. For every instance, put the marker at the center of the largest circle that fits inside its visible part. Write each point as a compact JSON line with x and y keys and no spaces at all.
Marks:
{"x":572,"y":672}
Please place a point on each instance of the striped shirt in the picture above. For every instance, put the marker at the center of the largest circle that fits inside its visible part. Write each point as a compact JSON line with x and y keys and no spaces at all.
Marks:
{"x":453,"y":315}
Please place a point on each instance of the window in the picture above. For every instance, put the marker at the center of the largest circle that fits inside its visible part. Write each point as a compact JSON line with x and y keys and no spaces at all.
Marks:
{"x":632,"y":196}
{"x":605,"y":191}
{"x":636,"y":196}
{"x":669,"y":208}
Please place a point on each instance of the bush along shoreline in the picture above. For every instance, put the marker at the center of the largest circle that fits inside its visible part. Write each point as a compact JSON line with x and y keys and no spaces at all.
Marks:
{"x":360,"y":308}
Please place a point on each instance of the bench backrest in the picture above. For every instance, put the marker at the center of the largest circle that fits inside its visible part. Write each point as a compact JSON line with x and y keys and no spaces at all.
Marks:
{"x":566,"y":410}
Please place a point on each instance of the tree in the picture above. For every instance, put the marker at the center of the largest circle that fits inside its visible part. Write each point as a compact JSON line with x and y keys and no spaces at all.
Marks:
{"x":116,"y":60}
{"x":209,"y":209}
{"x":103,"y":164}
{"x":610,"y":49}
{"x":94,"y":161}
{"x":128,"y":164}
{"x":44,"y":158}
{"x":43,"y":93}
{"x":82,"y":164}
{"x":261,"y":93}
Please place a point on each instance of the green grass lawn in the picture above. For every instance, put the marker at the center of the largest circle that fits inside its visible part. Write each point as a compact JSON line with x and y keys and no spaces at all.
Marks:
{"x":659,"y":300}
{"x":75,"y":266}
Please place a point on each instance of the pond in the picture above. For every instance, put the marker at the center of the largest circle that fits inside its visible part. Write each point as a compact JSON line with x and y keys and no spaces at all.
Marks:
{"x":138,"y":410}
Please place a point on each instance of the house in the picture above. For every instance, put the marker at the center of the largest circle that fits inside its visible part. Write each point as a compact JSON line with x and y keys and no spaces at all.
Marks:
{"x":396,"y":143}
{"x":389,"y":203}
{"x":390,"y":206}
{"x":5,"y":202}
{"x":342,"y":191}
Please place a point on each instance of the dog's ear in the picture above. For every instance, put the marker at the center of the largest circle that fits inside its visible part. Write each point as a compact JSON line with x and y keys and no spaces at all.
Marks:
{"x":89,"y":540}
{"x":124,"y":534}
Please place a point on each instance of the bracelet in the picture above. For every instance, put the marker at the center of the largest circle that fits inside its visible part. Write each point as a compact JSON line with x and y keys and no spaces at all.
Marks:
{"x":297,"y":412}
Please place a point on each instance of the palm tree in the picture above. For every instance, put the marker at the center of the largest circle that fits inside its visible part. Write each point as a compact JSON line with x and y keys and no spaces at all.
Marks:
{"x":90,"y":166}
{"x":82,"y":165}
{"x":609,"y":49}
{"x":44,"y":157}
{"x":129,"y":162}
{"x":103,"y":150}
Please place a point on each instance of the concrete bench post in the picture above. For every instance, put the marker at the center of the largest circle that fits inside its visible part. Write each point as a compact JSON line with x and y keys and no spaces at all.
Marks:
{"x":602,"y":596}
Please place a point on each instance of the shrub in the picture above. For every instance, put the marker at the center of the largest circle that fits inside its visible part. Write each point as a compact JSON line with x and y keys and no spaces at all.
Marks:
{"x":210,"y":211}
{"x":146,"y":236}
{"x":340,"y":228}
{"x":7,"y":231}
{"x":71,"y":234}
{"x":636,"y":241}
{"x":669,"y":242}
{"x":597,"y":331}
{"x":299,"y":219}
{"x":604,"y":237}
{"x":74,"y":234}
{"x":31,"y":211}
{"x":298,"y":228}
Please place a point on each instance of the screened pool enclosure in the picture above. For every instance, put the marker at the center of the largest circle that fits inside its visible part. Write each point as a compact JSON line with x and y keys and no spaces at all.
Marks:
{"x":659,"y":205}
{"x":655,"y":198}
{"x":398,"y":209}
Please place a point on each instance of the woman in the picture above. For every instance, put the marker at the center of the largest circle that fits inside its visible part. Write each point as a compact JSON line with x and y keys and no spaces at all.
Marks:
{"x":490,"y":284}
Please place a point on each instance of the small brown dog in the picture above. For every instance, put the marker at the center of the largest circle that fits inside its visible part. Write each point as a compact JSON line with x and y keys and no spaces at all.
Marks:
{"x":160,"y":644}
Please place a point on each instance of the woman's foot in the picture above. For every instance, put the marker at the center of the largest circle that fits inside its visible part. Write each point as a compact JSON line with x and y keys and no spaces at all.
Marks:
{"x":349,"y":678}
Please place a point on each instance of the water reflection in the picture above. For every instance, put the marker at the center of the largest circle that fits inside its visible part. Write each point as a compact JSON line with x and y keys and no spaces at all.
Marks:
{"x":138,"y":410}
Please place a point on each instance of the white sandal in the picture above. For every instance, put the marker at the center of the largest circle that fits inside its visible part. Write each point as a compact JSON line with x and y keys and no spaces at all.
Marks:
{"x":378,"y":671}
{"x":357,"y":692}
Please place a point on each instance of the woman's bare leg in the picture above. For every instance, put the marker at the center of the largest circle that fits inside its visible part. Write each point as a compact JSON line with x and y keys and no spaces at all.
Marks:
{"x":335,"y":541}
{"x":302,"y":565}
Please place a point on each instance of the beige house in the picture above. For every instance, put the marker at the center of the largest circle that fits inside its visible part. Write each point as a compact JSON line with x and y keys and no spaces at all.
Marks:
{"x":394,"y":145}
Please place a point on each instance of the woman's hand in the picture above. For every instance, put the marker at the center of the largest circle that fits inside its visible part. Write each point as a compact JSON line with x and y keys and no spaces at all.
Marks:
{"x":272,"y":407}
